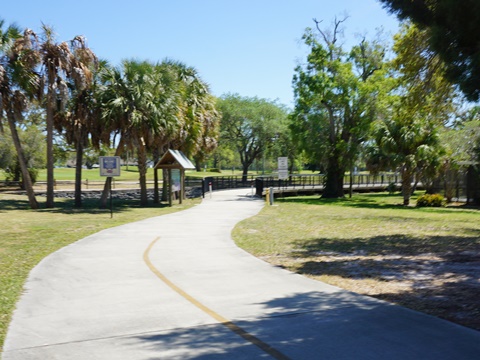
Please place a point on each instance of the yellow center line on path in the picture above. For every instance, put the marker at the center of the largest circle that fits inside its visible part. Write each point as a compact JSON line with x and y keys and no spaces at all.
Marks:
{"x":230,"y":325}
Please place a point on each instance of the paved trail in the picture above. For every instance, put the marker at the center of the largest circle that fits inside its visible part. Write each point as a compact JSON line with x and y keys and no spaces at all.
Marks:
{"x":176,"y":287}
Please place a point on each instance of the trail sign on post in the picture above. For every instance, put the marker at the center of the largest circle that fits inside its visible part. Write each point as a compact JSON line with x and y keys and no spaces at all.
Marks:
{"x":110,"y":166}
{"x":282,"y":168}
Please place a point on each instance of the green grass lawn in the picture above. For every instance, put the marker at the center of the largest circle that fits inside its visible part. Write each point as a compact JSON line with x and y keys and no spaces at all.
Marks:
{"x":91,"y":174}
{"x":423,"y":258}
{"x":130,"y":174}
{"x":370,"y":222}
{"x":28,"y":236}
{"x":94,"y":174}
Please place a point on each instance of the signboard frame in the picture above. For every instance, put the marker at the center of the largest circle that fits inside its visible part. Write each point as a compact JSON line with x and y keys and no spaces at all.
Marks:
{"x":109,"y":165}
{"x":283,"y":168}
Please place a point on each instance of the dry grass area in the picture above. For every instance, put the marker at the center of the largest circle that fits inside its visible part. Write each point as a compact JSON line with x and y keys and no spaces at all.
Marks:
{"x":447,"y":289}
{"x":424,"y":259}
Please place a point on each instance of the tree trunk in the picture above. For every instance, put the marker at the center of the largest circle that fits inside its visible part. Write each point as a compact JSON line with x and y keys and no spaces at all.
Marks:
{"x":406,"y":185}
{"x":350,"y":188}
{"x":50,"y":176}
{"x":245,"y":173}
{"x":198,"y":163}
{"x":105,"y":192}
{"x":17,"y":174}
{"x":334,"y":179}
{"x":156,"y":190}
{"x":142,"y":170}
{"x":27,"y":181}
{"x":78,"y":174}
{"x":335,"y":173}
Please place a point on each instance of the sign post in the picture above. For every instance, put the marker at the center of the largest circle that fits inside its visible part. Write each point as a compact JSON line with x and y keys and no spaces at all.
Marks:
{"x":110,"y":167}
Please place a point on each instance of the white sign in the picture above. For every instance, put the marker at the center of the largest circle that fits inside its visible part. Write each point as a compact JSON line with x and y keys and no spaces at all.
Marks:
{"x":109,"y":165}
{"x":282,"y":168}
{"x":283,"y":174}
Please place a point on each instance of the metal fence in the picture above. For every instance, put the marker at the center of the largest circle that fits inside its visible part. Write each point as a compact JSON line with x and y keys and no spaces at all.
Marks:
{"x":463,"y":185}
{"x":227,"y":182}
{"x":70,"y":184}
{"x":317,"y":181}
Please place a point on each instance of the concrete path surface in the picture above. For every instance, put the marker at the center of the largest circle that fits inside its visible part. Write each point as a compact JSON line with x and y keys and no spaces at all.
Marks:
{"x":176,"y":287}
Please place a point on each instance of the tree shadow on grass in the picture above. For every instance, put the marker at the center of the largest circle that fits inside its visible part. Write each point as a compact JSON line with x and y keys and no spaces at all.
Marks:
{"x":373,"y":201}
{"x":437,"y":275}
{"x":455,"y":301}
{"x":67,"y":206}
{"x":370,"y":201}
{"x":91,"y":206}
{"x":13,"y":204}
{"x":391,"y":245}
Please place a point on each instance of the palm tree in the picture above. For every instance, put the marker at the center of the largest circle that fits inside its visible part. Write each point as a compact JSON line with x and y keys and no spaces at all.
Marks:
{"x":402,"y":142}
{"x":81,"y":120}
{"x":18,"y":81}
{"x":56,"y":61}
{"x":169,"y":92}
{"x":199,"y":132}
{"x":421,"y":101}
{"x":130,"y":104}
{"x":189,"y":109}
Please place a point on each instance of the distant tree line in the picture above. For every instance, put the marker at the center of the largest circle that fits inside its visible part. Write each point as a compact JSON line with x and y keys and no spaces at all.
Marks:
{"x":404,"y":108}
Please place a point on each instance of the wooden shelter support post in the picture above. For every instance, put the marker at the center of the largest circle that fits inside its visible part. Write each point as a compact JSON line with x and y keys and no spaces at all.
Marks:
{"x":169,"y":187}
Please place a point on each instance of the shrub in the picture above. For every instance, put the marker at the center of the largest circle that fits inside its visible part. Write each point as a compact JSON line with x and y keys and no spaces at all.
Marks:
{"x":33,"y":174}
{"x":430,"y":200}
{"x":391,"y":188}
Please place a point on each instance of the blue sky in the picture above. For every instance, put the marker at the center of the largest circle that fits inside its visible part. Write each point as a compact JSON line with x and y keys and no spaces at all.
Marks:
{"x":250,"y":47}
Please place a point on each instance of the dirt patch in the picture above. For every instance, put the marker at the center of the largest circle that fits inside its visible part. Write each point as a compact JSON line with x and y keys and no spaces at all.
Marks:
{"x":446,"y":285}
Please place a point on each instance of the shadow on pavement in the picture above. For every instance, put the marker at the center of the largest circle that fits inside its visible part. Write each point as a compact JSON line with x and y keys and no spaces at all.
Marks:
{"x":324,"y":326}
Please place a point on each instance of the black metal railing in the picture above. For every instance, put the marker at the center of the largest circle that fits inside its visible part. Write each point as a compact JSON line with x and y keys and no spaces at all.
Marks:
{"x":317,"y":181}
{"x":227,"y":182}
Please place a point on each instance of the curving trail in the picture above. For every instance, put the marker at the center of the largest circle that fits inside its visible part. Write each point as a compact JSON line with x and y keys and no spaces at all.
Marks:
{"x":177,"y":287}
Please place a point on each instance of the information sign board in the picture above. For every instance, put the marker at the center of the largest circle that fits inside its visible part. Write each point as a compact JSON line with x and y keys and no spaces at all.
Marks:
{"x":109,"y":165}
{"x":283,"y":168}
{"x":176,"y":180}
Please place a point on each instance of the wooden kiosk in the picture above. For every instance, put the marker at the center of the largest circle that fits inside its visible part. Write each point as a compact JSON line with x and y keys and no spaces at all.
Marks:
{"x":175,"y":162}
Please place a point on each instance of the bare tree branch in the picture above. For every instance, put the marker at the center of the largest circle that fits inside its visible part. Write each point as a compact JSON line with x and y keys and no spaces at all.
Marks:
{"x":331,"y":39}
